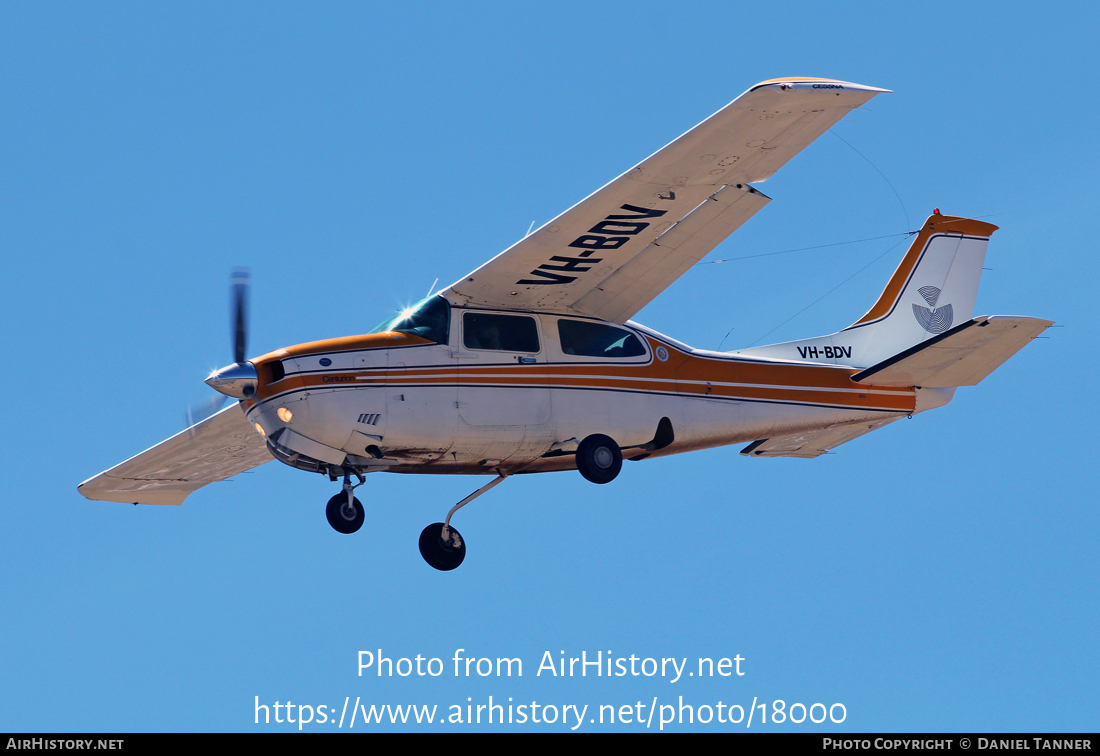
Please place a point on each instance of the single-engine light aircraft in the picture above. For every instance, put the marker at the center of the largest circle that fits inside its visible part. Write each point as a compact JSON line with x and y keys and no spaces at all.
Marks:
{"x":531,"y":363}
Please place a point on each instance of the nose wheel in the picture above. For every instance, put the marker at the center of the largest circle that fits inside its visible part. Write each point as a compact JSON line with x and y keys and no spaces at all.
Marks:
{"x":344,"y":512}
{"x":344,"y":516}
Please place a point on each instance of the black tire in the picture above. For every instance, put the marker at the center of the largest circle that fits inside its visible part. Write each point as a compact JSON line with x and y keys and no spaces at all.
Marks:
{"x":599,"y":458}
{"x":442,"y":556}
{"x":337,"y":513}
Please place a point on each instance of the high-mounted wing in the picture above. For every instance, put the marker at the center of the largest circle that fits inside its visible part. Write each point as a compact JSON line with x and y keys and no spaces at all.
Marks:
{"x":616,"y":250}
{"x":217,"y":448}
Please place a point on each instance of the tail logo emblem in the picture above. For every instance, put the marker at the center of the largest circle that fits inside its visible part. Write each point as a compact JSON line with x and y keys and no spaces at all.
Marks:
{"x":933,"y":319}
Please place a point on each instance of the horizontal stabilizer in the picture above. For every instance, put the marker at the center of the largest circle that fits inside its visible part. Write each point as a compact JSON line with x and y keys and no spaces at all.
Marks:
{"x":962,"y":356}
{"x":812,"y":443}
{"x":219,"y":447}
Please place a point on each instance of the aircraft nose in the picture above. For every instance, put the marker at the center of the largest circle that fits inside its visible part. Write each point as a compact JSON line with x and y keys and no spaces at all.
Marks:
{"x":238,"y":380}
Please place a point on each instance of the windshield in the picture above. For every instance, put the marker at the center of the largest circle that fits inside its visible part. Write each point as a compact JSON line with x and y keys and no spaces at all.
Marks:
{"x":429,"y":318}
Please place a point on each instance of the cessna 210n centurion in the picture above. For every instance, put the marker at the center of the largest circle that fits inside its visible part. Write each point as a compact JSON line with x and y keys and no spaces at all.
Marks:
{"x":531,"y":364}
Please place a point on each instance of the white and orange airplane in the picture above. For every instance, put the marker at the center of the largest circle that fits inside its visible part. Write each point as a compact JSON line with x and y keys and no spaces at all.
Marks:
{"x":531,"y":363}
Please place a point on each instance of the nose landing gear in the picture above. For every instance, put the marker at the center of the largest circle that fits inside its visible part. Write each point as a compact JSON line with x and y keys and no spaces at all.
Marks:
{"x":441,"y":545}
{"x":344,"y":512}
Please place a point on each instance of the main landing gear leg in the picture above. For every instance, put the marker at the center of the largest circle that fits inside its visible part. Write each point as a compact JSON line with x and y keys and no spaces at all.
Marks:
{"x":344,"y":512}
{"x":441,"y":545}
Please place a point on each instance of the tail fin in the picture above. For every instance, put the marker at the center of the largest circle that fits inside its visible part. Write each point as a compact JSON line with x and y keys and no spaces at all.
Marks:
{"x":933,"y":288}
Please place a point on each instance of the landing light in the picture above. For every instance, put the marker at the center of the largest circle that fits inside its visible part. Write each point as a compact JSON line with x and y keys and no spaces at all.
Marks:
{"x":284,"y":414}
{"x":260,"y":430}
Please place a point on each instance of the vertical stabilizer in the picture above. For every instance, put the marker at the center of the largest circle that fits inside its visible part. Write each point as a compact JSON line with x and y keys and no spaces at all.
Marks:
{"x":933,"y":289}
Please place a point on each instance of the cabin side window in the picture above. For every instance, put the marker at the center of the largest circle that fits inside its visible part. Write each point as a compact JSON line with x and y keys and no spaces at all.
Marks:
{"x":587,"y":339}
{"x":506,"y":333}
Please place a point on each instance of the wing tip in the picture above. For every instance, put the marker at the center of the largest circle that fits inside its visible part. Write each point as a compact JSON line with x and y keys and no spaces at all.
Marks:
{"x":803,"y":82}
{"x":120,"y":495}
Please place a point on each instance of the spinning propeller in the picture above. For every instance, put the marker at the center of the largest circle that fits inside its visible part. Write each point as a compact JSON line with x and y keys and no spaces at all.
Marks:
{"x":238,"y":291}
{"x":239,"y":379}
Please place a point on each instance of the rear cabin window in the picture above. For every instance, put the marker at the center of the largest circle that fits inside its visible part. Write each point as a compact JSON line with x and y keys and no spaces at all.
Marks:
{"x":506,"y":333}
{"x":587,"y":339}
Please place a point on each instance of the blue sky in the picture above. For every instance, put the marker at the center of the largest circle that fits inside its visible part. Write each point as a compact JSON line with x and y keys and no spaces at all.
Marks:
{"x":943,"y":579}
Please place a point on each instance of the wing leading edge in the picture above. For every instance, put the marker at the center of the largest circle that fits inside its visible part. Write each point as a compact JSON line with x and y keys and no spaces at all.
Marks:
{"x":612,"y":253}
{"x":219,"y":447}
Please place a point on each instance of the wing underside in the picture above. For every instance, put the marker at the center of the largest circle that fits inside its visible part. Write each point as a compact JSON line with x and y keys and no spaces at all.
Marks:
{"x":813,"y":443}
{"x":613,"y":252}
{"x":215,"y":449}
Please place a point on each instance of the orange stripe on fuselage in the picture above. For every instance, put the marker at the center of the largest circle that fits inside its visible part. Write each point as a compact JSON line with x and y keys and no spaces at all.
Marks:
{"x":383,"y":340}
{"x":370,"y":341}
{"x":683,"y":374}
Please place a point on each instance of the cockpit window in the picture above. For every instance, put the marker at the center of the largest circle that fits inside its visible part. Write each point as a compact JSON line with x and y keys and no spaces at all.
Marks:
{"x":429,"y":319}
{"x":588,"y":339}
{"x":508,"y":333}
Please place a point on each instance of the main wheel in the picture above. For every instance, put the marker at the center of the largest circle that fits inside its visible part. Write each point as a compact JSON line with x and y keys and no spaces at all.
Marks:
{"x":442,"y":556}
{"x":341,"y":517}
{"x":599,"y":458}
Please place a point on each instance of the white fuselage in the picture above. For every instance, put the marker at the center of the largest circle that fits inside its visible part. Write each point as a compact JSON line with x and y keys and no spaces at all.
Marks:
{"x":394,"y":402}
